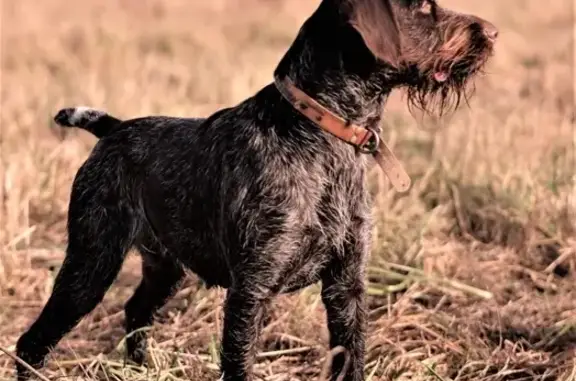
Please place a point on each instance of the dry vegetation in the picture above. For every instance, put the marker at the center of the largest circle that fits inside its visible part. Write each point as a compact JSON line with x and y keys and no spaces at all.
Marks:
{"x":473,"y":273}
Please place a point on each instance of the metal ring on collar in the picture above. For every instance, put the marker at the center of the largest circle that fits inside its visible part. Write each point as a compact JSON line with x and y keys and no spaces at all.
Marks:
{"x":370,"y":146}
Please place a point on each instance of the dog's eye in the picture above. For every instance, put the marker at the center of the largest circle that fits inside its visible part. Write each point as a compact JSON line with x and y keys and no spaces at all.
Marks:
{"x":426,"y":7}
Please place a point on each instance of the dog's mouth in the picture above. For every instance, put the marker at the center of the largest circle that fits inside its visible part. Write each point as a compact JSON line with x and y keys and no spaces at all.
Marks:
{"x":441,"y":75}
{"x":460,"y":70}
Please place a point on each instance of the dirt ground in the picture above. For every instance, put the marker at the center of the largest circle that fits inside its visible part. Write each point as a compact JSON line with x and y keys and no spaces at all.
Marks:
{"x":472,"y":274}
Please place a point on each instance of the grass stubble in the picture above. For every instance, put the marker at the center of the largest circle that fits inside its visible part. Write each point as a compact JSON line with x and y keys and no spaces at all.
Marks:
{"x":472,"y":274}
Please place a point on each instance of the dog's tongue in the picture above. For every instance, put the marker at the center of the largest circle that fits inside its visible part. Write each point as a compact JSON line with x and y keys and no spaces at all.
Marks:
{"x":441,"y":76}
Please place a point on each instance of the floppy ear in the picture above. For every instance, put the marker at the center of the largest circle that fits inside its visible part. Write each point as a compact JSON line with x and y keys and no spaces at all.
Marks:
{"x":375,"y":21}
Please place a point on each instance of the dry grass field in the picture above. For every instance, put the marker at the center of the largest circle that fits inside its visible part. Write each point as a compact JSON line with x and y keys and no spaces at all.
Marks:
{"x":472,"y":274}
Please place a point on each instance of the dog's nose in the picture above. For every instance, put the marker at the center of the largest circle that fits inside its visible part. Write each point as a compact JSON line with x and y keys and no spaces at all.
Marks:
{"x":490,"y":30}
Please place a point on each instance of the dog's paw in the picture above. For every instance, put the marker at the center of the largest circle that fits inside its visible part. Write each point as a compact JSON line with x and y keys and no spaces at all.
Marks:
{"x":138,"y":359}
{"x":136,"y":352}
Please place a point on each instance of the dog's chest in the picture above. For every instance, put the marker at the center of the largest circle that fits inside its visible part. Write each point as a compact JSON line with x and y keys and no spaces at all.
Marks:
{"x":319,"y":196}
{"x":319,"y":203}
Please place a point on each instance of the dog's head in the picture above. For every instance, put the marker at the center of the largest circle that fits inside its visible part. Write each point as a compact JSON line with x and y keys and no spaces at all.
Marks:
{"x":434,"y":51}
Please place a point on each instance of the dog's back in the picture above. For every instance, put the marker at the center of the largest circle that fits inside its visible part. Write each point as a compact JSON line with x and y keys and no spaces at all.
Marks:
{"x":207,"y":189}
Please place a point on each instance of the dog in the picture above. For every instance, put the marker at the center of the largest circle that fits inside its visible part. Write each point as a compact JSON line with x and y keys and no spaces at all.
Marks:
{"x":265,"y":197}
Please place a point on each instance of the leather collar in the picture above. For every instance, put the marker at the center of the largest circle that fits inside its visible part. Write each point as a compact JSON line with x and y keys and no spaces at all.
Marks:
{"x":366,"y":140}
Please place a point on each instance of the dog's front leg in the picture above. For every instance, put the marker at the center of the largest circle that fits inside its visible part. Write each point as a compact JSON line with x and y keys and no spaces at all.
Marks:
{"x":243,"y":313}
{"x":343,"y":294}
{"x":344,"y":301}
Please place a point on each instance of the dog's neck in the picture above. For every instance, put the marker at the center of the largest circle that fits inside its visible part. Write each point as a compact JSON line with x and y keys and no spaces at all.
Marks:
{"x":329,"y":62}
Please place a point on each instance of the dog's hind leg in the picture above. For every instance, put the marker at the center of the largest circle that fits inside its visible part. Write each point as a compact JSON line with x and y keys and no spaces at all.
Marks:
{"x":160,"y":278}
{"x":100,"y":233}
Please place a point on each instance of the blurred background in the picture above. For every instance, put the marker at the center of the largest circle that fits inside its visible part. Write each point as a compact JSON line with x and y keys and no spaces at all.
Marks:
{"x":472,"y":275}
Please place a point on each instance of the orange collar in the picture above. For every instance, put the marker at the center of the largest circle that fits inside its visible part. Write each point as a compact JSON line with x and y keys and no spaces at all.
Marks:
{"x":366,"y":140}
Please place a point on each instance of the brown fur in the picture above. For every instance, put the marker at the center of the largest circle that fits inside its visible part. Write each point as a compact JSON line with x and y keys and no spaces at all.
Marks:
{"x":375,"y":21}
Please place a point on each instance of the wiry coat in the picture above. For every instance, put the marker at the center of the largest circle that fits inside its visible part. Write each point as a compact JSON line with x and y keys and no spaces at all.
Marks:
{"x":256,"y":198}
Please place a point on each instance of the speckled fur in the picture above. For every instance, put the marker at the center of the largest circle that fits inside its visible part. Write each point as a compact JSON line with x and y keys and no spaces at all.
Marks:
{"x":255,"y":198}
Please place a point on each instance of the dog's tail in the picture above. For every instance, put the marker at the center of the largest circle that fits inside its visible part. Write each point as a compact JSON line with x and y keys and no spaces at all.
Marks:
{"x":95,"y":121}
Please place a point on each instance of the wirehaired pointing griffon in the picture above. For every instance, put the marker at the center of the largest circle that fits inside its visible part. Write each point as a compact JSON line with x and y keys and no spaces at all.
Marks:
{"x":266,"y":197}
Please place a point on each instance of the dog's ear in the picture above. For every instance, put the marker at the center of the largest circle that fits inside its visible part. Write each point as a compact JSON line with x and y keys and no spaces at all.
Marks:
{"x":376,"y":23}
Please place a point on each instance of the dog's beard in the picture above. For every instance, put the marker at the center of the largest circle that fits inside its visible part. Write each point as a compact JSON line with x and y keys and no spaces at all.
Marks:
{"x":440,"y":82}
